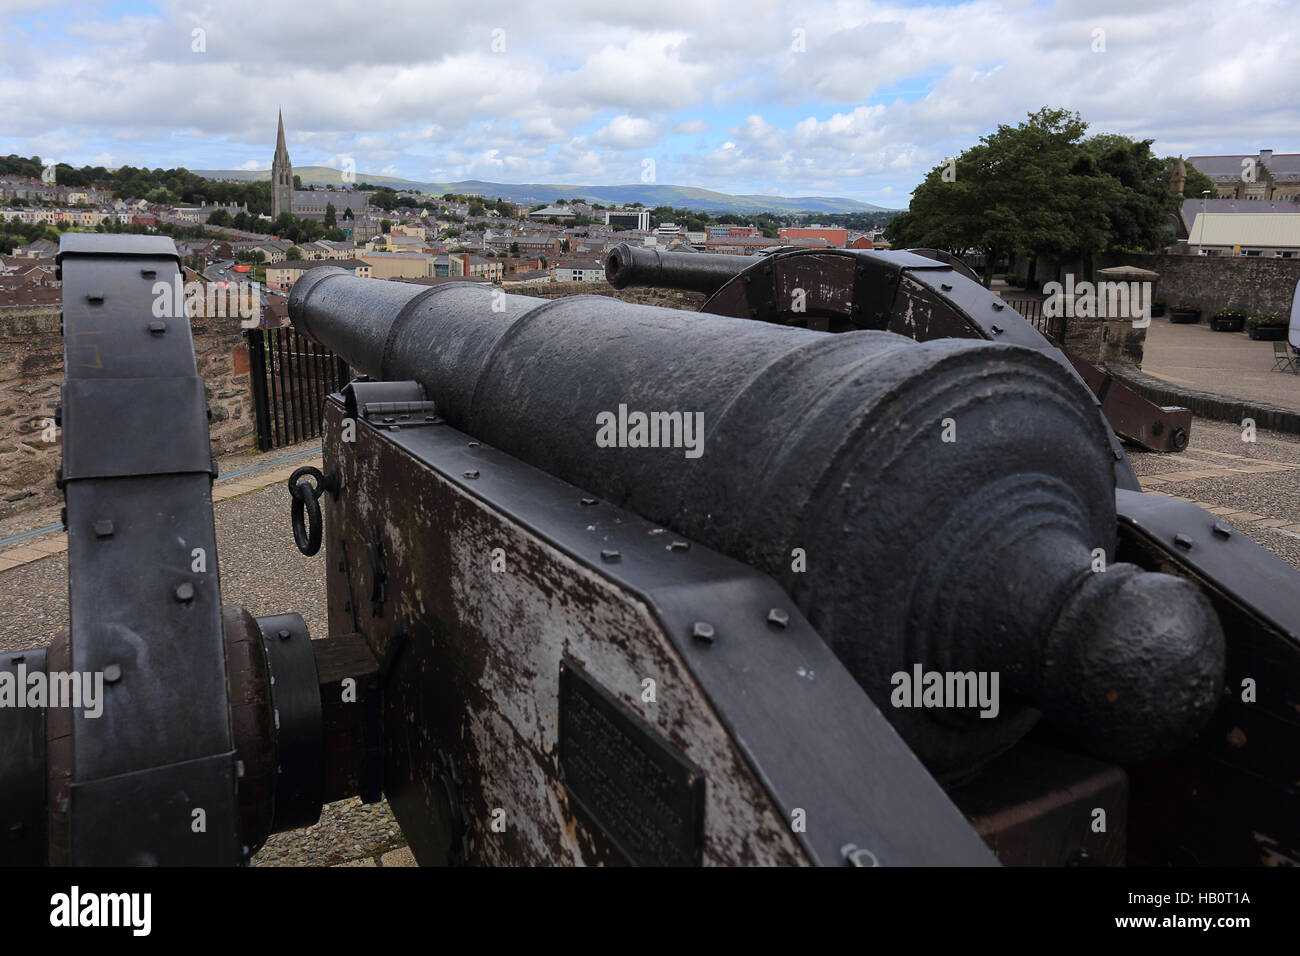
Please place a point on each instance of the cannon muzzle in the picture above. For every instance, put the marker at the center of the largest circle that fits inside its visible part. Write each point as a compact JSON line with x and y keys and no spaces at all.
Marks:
{"x":933,"y":508}
{"x":693,"y":272}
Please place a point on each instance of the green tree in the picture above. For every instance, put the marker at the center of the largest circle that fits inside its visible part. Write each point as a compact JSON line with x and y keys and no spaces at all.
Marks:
{"x":219,"y":218}
{"x":514,"y":248}
{"x":330,"y":220}
{"x":385,"y":225}
{"x":1137,"y":218}
{"x":1025,"y":189}
{"x":294,"y":254}
{"x":347,"y":214}
{"x":309,"y":230}
{"x":297,"y":181}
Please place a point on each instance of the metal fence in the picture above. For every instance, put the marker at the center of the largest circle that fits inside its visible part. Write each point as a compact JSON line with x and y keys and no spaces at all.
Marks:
{"x":290,"y":376}
{"x":1052,"y":326}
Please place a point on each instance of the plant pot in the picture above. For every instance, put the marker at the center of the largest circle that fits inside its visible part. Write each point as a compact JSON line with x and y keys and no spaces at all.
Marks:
{"x":1185,"y":316}
{"x":1228,"y":325}
{"x":1268,"y":333}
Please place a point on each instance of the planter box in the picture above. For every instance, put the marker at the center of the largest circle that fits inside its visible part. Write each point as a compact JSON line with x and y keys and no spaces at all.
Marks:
{"x":1184,"y":316}
{"x":1268,"y":333}
{"x":1228,"y":325}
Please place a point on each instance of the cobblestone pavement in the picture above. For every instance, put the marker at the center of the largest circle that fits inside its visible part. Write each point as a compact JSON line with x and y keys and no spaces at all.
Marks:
{"x":1252,"y":485}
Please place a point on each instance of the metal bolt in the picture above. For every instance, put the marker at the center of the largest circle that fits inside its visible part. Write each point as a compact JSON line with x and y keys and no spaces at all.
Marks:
{"x":389,"y":419}
{"x":474,"y":444}
{"x":853,"y":856}
{"x":185,"y":591}
{"x":148,"y":273}
{"x":778,"y":617}
{"x":999,"y":306}
{"x":1222,"y":530}
{"x":610,"y":556}
{"x":996,"y":329}
{"x":112,"y":673}
{"x":394,"y":428}
{"x":95,"y":298}
{"x":680,"y":546}
{"x":703,"y":632}
{"x":282,"y":634}
{"x":945,"y":286}
{"x":471,"y":474}
{"x":588,"y":501}
{"x":103,"y":528}
{"x":157,"y":328}
{"x":1183,"y":541}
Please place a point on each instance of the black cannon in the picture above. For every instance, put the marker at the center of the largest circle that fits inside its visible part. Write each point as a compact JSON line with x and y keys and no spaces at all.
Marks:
{"x":619,"y":584}
{"x":911,"y":293}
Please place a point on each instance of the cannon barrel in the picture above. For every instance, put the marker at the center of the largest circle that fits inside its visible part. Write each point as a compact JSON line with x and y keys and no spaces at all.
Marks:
{"x":627,"y":265}
{"x":932,"y":508}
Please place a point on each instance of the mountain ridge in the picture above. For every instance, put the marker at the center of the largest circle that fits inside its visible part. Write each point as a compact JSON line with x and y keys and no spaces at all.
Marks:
{"x":651,"y":195}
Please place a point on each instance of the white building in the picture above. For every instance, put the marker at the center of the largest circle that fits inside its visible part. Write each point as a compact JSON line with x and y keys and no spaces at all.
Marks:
{"x":628,"y":218}
{"x":579,"y":270}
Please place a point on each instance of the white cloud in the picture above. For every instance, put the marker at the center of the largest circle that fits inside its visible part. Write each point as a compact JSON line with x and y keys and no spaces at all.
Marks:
{"x":882,"y":92}
{"x":626,"y":132}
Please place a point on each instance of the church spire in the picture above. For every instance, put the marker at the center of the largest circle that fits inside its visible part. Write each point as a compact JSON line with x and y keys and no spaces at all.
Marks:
{"x":281,"y":175}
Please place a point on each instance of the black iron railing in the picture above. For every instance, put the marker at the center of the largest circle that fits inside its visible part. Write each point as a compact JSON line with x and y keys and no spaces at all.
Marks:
{"x":290,"y":376}
{"x":1052,"y":326}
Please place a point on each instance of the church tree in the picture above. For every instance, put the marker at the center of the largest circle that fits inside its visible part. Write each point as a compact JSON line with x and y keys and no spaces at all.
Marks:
{"x":1196,"y":182}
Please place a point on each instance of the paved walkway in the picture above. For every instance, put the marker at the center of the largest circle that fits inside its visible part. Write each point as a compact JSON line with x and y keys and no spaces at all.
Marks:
{"x":1229,"y":363}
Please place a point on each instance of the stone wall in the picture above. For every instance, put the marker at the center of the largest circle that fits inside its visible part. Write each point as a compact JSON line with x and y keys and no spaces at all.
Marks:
{"x":31,"y":372}
{"x":1252,"y":283}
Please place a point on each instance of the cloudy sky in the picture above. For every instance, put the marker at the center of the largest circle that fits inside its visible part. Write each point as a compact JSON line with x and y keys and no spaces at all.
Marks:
{"x":853,"y":99}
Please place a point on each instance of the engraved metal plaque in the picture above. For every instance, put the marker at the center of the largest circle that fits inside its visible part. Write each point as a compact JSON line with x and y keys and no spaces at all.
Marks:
{"x":646,"y":797}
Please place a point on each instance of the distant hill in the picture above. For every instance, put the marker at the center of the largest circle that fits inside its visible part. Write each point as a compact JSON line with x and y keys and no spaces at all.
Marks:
{"x":679,"y":197}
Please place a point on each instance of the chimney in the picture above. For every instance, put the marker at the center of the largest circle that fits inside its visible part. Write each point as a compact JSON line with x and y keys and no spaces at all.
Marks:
{"x":1265,"y":156}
